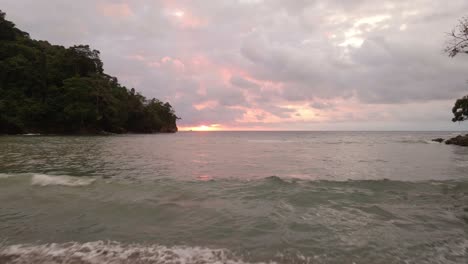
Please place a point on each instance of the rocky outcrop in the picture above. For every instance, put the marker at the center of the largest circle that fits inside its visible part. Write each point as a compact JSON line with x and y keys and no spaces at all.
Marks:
{"x":458,"y":140}
{"x":440,"y":140}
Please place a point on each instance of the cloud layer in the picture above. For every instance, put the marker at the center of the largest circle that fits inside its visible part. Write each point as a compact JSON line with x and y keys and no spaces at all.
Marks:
{"x":253,"y":64}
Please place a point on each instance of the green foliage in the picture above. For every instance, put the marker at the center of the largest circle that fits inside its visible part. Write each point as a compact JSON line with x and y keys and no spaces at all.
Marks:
{"x":458,"y":43}
{"x":460,"y":109}
{"x":52,"y":89}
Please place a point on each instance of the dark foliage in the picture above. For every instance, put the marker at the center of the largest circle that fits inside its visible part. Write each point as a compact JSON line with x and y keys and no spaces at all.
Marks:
{"x":458,"y":43}
{"x":46,"y":88}
{"x":460,"y":109}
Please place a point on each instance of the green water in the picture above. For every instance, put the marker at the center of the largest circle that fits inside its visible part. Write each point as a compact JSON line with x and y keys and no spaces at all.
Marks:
{"x":234,"y":198}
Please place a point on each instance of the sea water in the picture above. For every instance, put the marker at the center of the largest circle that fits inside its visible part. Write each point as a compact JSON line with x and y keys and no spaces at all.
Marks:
{"x":234,"y":197}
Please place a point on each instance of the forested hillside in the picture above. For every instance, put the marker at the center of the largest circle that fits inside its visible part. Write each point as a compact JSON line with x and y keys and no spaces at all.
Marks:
{"x":46,"y":88}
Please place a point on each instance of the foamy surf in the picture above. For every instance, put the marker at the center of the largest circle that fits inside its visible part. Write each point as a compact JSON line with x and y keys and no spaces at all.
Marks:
{"x":5,"y":175}
{"x":113,"y":252}
{"x":62,"y":180}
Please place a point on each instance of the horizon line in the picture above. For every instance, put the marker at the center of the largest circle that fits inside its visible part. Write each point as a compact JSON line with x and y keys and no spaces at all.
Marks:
{"x":323,"y":131}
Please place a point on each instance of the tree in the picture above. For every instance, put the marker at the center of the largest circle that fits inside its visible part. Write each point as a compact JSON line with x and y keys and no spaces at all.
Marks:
{"x":458,"y":43}
{"x":46,"y":88}
{"x":460,"y":109}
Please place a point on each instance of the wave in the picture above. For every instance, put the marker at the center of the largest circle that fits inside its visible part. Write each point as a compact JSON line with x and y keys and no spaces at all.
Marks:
{"x":110,"y":252}
{"x":63,"y":180}
{"x":6,"y":175}
{"x":344,"y":142}
{"x":362,"y":183}
{"x":269,"y":141}
{"x":417,"y":141}
{"x":113,"y":252}
{"x":282,"y":180}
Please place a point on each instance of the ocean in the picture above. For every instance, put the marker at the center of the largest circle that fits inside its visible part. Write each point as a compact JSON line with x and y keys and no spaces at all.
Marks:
{"x":234,"y":197}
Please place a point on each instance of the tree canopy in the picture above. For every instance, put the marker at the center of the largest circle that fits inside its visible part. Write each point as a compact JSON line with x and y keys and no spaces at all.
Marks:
{"x":458,"y":43}
{"x":47,"y":88}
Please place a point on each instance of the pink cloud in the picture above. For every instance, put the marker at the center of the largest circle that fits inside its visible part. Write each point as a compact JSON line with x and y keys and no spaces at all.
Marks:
{"x":116,"y":10}
{"x":207,"y":104}
{"x":173,"y":64}
{"x":136,"y":57}
{"x":182,"y":17}
{"x":209,"y":75}
{"x":190,"y":21}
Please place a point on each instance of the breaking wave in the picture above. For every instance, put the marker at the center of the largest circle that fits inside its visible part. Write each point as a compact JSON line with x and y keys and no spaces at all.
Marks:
{"x":113,"y":252}
{"x":417,"y":141}
{"x":63,"y":180}
{"x":5,"y":175}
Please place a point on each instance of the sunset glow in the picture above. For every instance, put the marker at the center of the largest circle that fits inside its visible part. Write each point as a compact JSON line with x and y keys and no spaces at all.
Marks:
{"x":233,"y":131}
{"x":213,"y":127}
{"x":253,"y":65}
{"x":178,"y":13}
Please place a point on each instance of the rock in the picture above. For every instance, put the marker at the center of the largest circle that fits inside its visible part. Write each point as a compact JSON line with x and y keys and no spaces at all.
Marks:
{"x":440,"y":140}
{"x":458,"y":140}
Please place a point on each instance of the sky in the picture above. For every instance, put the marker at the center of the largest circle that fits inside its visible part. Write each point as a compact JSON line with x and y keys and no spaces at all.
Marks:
{"x":272,"y":64}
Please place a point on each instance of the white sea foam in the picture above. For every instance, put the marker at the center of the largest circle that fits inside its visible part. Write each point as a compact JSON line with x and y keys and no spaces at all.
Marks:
{"x":431,"y":142}
{"x":5,"y":175}
{"x":13,"y":175}
{"x":63,"y":180}
{"x":417,"y":141}
{"x":113,"y":252}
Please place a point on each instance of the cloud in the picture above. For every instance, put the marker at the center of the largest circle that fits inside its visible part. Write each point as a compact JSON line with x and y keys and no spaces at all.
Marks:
{"x":321,"y":105}
{"x":243,"y":83}
{"x":117,"y":10}
{"x":271,"y":64}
